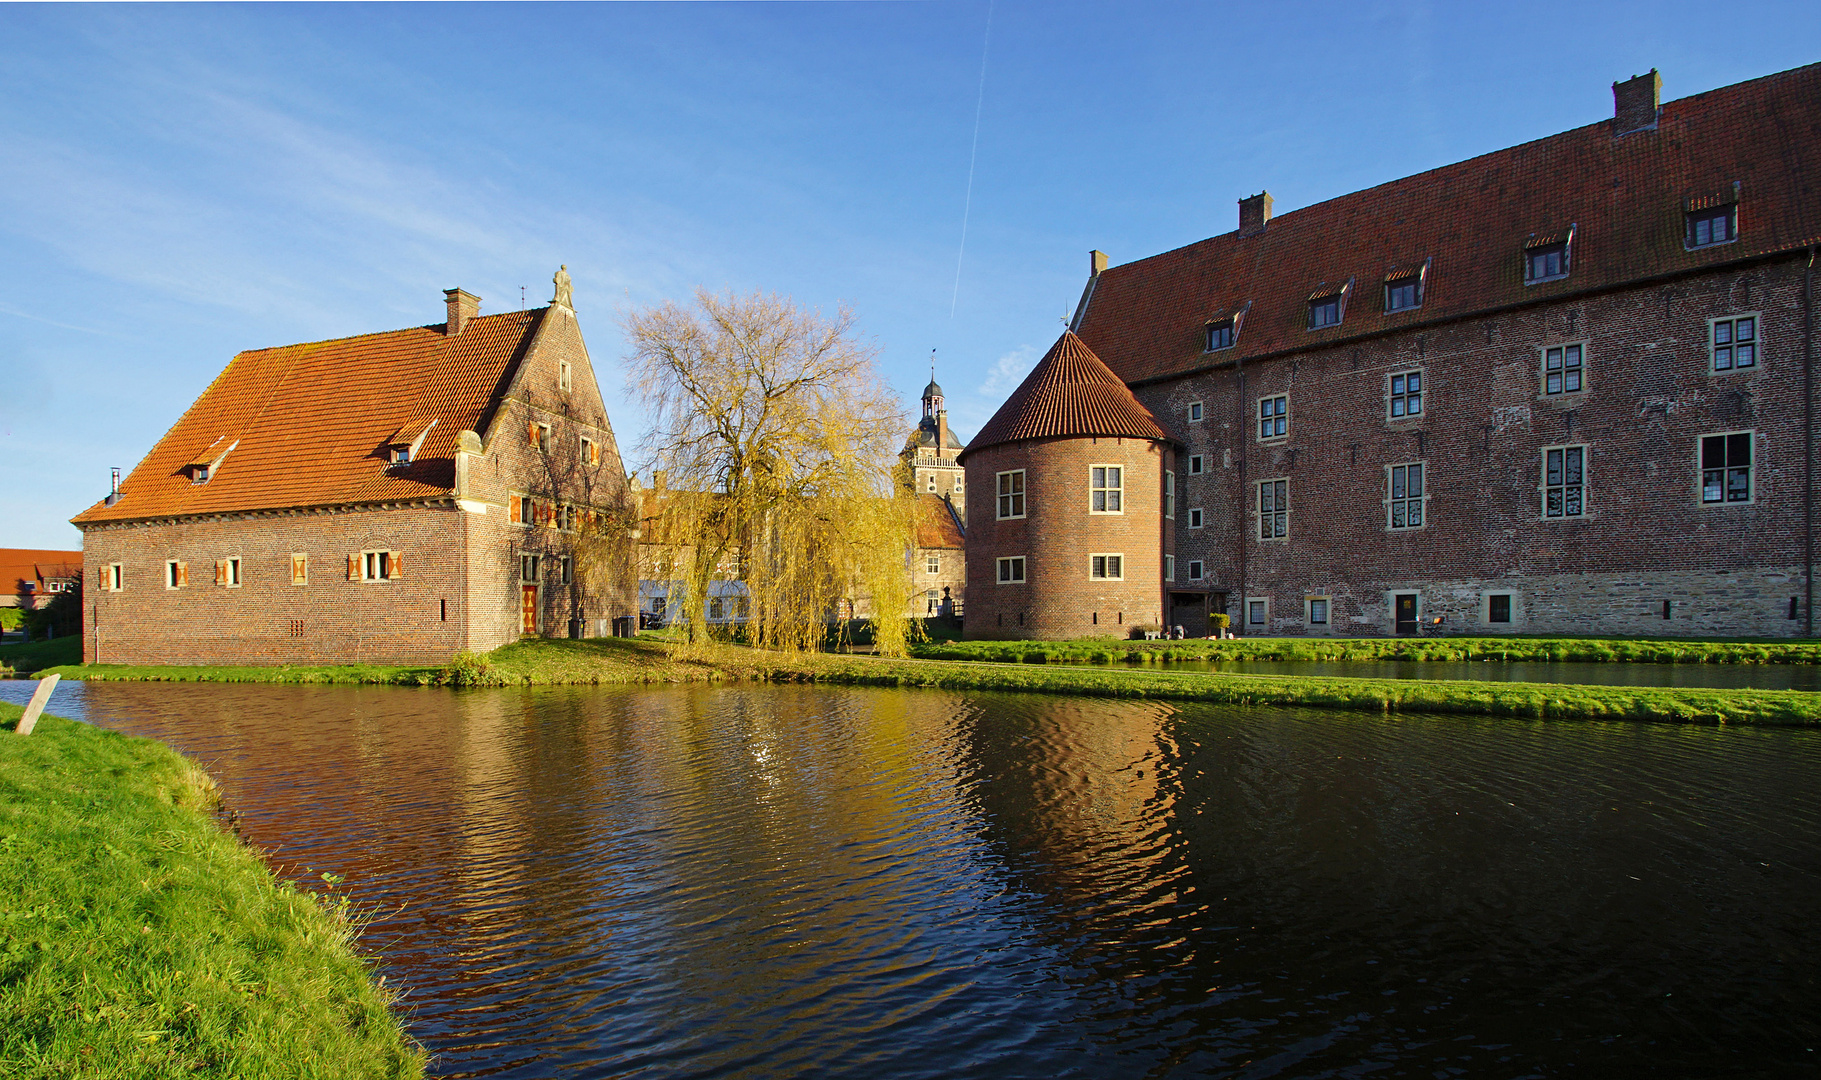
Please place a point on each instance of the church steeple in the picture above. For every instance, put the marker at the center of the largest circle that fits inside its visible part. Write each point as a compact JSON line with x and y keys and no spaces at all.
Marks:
{"x":932,"y":394}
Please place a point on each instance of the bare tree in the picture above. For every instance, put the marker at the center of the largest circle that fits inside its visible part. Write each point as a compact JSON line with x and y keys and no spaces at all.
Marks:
{"x":777,"y":438}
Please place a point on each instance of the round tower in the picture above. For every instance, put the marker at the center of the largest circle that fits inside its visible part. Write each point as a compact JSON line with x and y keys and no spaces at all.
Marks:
{"x":1072,"y":481}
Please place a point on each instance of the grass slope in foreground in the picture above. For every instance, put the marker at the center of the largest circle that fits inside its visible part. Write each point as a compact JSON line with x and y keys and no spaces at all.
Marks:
{"x":137,"y":939}
{"x":1497,"y":649}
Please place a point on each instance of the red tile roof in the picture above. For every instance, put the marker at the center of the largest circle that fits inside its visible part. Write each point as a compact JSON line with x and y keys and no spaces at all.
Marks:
{"x":1625,"y":196}
{"x":937,"y":526}
{"x":307,"y":425}
{"x":35,"y":565}
{"x":1069,"y":392}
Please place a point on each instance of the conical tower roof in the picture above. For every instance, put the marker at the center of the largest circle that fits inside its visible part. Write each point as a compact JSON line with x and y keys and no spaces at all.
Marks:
{"x":1070,"y":392}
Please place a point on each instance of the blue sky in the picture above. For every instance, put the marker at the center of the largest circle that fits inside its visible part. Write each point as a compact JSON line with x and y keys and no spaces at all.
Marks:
{"x":178,"y":183}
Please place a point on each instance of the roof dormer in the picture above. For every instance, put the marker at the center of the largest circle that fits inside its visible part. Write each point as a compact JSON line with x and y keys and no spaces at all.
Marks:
{"x":206,"y":464}
{"x":402,"y":447}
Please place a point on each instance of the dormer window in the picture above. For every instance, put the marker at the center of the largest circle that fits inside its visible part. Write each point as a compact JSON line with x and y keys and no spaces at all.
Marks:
{"x":401,"y":455}
{"x":1548,"y":258}
{"x":199,"y":474}
{"x":1715,"y":225}
{"x":1328,"y":305}
{"x":1404,"y":288}
{"x":1220,"y":335}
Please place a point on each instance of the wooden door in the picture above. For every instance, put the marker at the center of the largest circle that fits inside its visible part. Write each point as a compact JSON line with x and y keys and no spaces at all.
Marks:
{"x":1406,"y":613}
{"x":528,"y":609}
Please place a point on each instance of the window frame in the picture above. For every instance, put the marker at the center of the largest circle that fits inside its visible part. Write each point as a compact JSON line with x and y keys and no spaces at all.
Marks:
{"x":1337,"y":301}
{"x":1413,"y":282}
{"x":1565,"y":248}
{"x":932,"y":563}
{"x":1003,"y":497}
{"x":1214,"y":327}
{"x":1169,"y":567}
{"x":1542,"y":363}
{"x":1196,"y":517}
{"x":1690,"y":219}
{"x":300,"y":568}
{"x":1197,"y":570}
{"x":586,"y":448}
{"x":1511,"y":608}
{"x":176,"y":574}
{"x":1169,"y":494}
{"x":1265,"y":603}
{"x":1392,"y":499}
{"x":1197,"y":465}
{"x":1111,"y":492}
{"x":1326,"y":622}
{"x":378,"y":565}
{"x":1010,"y":562}
{"x":1544,"y":486}
{"x":565,"y":376}
{"x":1197,"y":412}
{"x":1393,"y":397}
{"x":530,"y":562}
{"x":1751,"y":469}
{"x":1757,"y":343}
{"x":116,"y":577}
{"x":1282,"y":417}
{"x":1281,"y":508}
{"x":1109,"y":564}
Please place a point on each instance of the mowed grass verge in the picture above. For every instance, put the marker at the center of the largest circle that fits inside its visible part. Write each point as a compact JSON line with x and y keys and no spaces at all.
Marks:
{"x":1498,"y":649}
{"x":137,"y":939}
{"x":646,"y":660}
{"x":25,"y":657}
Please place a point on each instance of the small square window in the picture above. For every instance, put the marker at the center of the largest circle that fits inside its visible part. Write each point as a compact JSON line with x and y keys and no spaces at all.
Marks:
{"x":1011,"y":570}
{"x":1563,"y":370}
{"x":1546,"y":263}
{"x":1318,"y":611}
{"x":1258,"y":611}
{"x":1273,"y":417}
{"x":199,"y":474}
{"x":1195,"y":517}
{"x":1220,"y":335}
{"x":1194,"y":412}
{"x":1106,"y":489}
{"x":1498,"y":608}
{"x":1733,"y":343}
{"x":1106,"y":567}
{"x":1403,"y":295}
{"x":1726,"y":467}
{"x":1195,"y":461}
{"x":1715,"y":225}
{"x":1406,"y":394}
{"x":1194,"y":569}
{"x":401,"y":455}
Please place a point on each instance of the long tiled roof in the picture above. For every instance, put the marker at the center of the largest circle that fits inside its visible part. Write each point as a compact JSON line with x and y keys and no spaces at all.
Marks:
{"x":937,"y":526}
{"x":1070,"y":392}
{"x":35,"y":564}
{"x":1625,"y":197}
{"x":308,"y":425}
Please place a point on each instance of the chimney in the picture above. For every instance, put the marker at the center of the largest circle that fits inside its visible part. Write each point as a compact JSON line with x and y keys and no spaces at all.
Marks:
{"x":1254,"y":214}
{"x":1097,"y":261}
{"x":462,"y":307}
{"x":1636,"y":102}
{"x":941,"y":433}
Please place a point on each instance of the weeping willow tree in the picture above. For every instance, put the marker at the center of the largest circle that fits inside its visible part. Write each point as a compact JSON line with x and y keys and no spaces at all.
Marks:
{"x":776,"y":439}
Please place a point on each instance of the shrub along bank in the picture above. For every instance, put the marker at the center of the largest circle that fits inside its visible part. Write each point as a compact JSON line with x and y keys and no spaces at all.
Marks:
{"x":137,"y":939}
{"x":1501,"y":649}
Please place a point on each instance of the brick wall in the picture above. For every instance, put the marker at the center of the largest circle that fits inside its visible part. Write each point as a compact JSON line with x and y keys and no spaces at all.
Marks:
{"x":1059,"y":535}
{"x":1649,"y":396}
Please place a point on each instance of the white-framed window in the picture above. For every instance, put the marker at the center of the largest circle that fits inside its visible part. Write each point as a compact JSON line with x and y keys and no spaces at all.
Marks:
{"x":1406,"y":496}
{"x":1169,"y":494}
{"x":591,"y":451}
{"x":1732,"y":342}
{"x":524,"y":510}
{"x":930,"y":483}
{"x":227,"y":572}
{"x":1316,"y":611}
{"x":114,"y":577}
{"x":1274,"y":416}
{"x":933,"y":564}
{"x":1258,"y":611}
{"x":1406,"y":394}
{"x":1712,"y":225}
{"x":1726,"y":468}
{"x":959,"y":479}
{"x":1011,"y":570}
{"x":566,"y":567}
{"x":1194,"y":569}
{"x":1220,"y":335}
{"x":378,"y":565}
{"x":1195,"y":517}
{"x":1011,"y":495}
{"x":527,"y":567}
{"x":176,"y":573}
{"x":1106,"y":489}
{"x":1194,"y":412}
{"x":1196,"y":462}
{"x":1169,"y":568}
{"x":1564,"y":369}
{"x":563,"y":378}
{"x":1106,"y":567}
{"x":717,"y":609}
{"x":1498,"y":608}
{"x":1564,"y":483}
{"x":1273,"y":509}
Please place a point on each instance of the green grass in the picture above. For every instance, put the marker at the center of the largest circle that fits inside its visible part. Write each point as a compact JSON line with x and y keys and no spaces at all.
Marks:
{"x":137,"y":939}
{"x":1587,"y":650}
{"x":25,"y":657}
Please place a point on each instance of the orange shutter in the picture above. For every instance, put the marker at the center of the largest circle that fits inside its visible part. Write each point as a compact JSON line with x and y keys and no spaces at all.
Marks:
{"x":300,"y":569}
{"x":512,"y":510}
{"x":531,"y":433}
{"x":221,"y":571}
{"x":353,"y":567}
{"x":101,"y":579}
{"x":397,"y":567}
{"x":183,"y":574}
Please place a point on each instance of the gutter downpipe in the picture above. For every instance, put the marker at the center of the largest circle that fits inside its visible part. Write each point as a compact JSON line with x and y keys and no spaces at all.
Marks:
{"x":1808,"y":444}
{"x":1239,"y":519}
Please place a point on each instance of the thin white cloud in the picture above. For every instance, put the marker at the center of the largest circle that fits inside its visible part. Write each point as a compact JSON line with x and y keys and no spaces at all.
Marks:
{"x":1008,"y":371}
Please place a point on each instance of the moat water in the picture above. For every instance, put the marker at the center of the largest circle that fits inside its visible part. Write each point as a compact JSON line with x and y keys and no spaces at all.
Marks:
{"x":763,"y":881}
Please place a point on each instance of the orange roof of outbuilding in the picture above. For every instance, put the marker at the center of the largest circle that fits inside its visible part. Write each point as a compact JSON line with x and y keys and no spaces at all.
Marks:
{"x":1626,"y":198}
{"x":1069,"y":393}
{"x":937,"y":525}
{"x":309,"y":425}
{"x":33,"y":564}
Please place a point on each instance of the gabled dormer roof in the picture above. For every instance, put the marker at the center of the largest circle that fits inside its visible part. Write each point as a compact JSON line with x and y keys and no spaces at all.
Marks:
{"x":304,"y":421}
{"x":1069,"y":393}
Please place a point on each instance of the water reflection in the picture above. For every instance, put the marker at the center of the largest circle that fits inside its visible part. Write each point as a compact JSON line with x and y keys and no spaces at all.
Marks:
{"x":795,"y":881}
{"x":1806,"y":677}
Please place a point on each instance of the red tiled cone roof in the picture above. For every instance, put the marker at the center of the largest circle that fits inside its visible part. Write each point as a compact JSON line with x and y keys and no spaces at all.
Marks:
{"x":1626,"y":197}
{"x":1070,"y":392}
{"x":936,"y":524}
{"x":308,"y":424}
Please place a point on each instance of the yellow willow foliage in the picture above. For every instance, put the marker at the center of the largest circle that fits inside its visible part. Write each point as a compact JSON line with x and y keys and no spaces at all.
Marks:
{"x":776,"y":439}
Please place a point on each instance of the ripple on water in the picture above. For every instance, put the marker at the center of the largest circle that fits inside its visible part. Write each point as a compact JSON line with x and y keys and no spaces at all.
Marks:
{"x":796,"y":881}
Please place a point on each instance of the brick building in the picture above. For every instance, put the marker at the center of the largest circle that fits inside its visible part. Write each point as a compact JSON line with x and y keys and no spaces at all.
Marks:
{"x":393,"y":498}
{"x":1563,"y":387}
{"x":932,"y":470}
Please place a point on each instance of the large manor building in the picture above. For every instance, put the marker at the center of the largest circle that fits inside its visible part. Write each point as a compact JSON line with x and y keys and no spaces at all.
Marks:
{"x":1563,"y":387}
{"x":391,"y":498}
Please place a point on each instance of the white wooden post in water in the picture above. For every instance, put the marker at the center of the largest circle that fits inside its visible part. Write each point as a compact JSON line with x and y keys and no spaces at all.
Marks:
{"x":39,"y":698}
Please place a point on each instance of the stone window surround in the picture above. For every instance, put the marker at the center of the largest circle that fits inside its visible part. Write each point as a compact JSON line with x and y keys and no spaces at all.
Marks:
{"x":1111,"y":560}
{"x":1009,"y":499}
{"x":1751,"y":477}
{"x":1258,"y":509}
{"x":1424,"y":498}
{"x":1419,"y":394}
{"x":1115,"y":492}
{"x":1264,"y":608}
{"x":1543,"y":485}
{"x":1516,"y":612}
{"x":1195,"y":517}
{"x":1007,"y":563}
{"x":1542,"y":368}
{"x":1327,"y":612}
{"x":1757,"y":363}
{"x":1282,"y":415}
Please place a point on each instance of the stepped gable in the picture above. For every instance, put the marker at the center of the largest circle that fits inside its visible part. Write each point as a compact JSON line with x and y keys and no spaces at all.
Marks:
{"x":1069,"y":393}
{"x":1626,"y":197}
{"x":308,"y":425}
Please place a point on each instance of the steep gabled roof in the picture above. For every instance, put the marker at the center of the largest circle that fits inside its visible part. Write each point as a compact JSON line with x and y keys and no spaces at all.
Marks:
{"x":937,"y":525}
{"x":1069,"y":393}
{"x":309,"y":425}
{"x":1625,"y":197}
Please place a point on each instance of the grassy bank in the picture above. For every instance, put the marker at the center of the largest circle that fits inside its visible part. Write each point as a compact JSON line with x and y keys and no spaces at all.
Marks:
{"x":25,"y":657}
{"x":137,"y":939}
{"x":1503,"y":649}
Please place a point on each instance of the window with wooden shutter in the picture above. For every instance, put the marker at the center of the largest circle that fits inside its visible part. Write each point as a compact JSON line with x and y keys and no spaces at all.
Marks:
{"x":397,"y":567}
{"x":513,"y":513}
{"x":353,"y":567}
{"x":531,"y":433}
{"x":221,"y":571}
{"x":183,"y":574}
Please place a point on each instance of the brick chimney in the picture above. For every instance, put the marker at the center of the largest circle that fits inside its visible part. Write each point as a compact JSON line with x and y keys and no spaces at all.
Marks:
{"x":941,"y":433}
{"x":1636,"y":102}
{"x":462,"y":307}
{"x":1254,"y":214}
